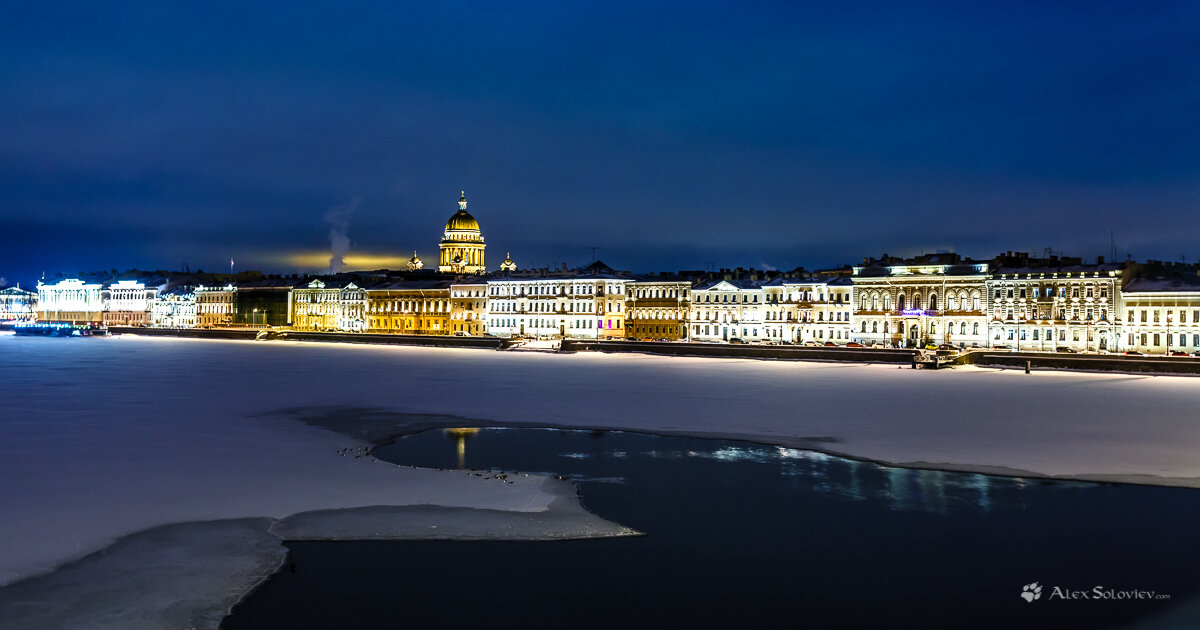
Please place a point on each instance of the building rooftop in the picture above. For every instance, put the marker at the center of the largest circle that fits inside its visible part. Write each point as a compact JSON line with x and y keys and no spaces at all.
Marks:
{"x":1190,"y":284}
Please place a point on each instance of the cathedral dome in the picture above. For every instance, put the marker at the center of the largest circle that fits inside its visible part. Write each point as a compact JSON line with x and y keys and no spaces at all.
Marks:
{"x":462,"y":220}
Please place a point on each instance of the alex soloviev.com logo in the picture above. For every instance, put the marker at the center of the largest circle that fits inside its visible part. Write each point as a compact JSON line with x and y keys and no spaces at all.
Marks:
{"x":1034,"y":591}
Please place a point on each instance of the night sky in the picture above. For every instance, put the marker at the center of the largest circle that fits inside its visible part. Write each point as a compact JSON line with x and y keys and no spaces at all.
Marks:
{"x":671,"y":136}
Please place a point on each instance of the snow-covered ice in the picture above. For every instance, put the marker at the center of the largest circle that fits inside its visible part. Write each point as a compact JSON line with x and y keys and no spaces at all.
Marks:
{"x":101,"y":438}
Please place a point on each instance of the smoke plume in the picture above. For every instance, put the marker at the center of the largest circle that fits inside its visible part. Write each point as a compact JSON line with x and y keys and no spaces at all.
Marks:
{"x":338,"y":218}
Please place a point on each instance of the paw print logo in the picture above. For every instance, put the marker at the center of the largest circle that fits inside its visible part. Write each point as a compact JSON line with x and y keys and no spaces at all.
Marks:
{"x":1031,"y":592}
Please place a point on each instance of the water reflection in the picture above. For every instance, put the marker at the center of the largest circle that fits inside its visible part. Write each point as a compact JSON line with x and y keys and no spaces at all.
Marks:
{"x":900,"y":489}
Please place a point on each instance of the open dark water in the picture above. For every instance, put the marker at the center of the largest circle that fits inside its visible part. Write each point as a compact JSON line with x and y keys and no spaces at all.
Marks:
{"x":747,"y":535}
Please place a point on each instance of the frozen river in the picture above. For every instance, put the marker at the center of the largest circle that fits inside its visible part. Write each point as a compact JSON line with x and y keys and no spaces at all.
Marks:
{"x":102,"y":438}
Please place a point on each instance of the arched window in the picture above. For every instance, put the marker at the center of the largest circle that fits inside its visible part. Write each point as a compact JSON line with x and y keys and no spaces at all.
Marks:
{"x":875,"y":301}
{"x":916,"y":303}
{"x":874,"y":327}
{"x":864,"y":327}
{"x":976,"y":327}
{"x":900,"y":302}
{"x":933,"y":301}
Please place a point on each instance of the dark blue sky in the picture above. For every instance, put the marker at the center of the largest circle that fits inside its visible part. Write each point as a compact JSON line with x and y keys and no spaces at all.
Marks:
{"x":672,"y":135}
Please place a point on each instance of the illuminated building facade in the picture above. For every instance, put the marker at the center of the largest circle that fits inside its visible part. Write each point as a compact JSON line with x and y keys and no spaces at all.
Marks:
{"x":468,"y":308}
{"x":930,"y":299}
{"x":788,"y":308}
{"x":1048,"y":303}
{"x":658,"y":308}
{"x":832,"y":313}
{"x":462,"y":244}
{"x":71,"y":300}
{"x":1161,"y":315}
{"x":17,"y":303}
{"x":329,"y":305}
{"x":586,"y":305}
{"x":127,"y":303}
{"x":215,"y":305}
{"x":174,"y":309}
{"x":728,"y":309}
{"x":413,"y":307}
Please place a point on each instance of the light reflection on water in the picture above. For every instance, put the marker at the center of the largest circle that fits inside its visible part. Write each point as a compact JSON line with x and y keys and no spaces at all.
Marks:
{"x":900,"y":489}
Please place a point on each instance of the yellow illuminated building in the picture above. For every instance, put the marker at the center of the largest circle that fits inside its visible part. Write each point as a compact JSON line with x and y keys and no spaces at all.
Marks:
{"x":658,"y":309}
{"x":468,"y":308}
{"x":409,"y":307}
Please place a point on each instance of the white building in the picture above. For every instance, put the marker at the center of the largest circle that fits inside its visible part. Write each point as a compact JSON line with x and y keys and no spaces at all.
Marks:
{"x":930,"y":299}
{"x":71,"y":300}
{"x":1161,"y":315}
{"x":589,"y":305}
{"x":787,"y":308}
{"x":728,"y":309}
{"x":174,"y":309}
{"x":833,"y":312}
{"x":323,"y":305}
{"x":17,"y":303}
{"x":1044,"y":304}
{"x":127,"y":303}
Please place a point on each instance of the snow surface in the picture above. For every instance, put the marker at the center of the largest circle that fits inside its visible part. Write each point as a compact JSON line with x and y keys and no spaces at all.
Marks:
{"x":101,"y":438}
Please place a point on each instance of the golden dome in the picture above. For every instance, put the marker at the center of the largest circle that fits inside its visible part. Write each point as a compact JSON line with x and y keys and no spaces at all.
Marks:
{"x":462,"y":220}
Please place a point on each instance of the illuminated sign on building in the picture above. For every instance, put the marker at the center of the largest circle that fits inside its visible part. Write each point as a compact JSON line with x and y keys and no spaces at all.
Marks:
{"x":913,"y":311}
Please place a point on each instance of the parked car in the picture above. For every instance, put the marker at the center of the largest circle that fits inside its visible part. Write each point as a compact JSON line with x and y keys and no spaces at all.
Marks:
{"x":1178,"y":353}
{"x":810,"y":344}
{"x":854,"y":345}
{"x":830,"y":344}
{"x":1002,"y":346}
{"x":930,"y":346}
{"x":1133,"y":353}
{"x":737,"y":340}
{"x":1065,"y":349}
{"x":947,"y":346}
